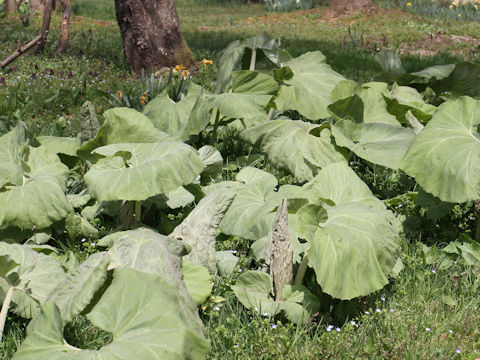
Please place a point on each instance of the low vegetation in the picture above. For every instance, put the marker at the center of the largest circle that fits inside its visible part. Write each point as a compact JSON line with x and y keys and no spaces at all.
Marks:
{"x":308,"y":197}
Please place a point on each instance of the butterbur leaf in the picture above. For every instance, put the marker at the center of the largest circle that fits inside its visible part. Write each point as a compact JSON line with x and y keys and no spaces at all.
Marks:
{"x":231,"y":57}
{"x":355,"y":248}
{"x":123,"y":125}
{"x":253,"y":290}
{"x":172,"y":117}
{"x":152,"y":169}
{"x":226,"y":262}
{"x":77,"y":290}
{"x":147,"y":251}
{"x":77,"y":226}
{"x":213,"y":160}
{"x":11,"y":170}
{"x":141,"y":312}
{"x":60,"y":145}
{"x":199,"y":228}
{"x":290,"y":145}
{"x":197,"y":280}
{"x":443,"y":159}
{"x":36,"y":275}
{"x":309,"y":90}
{"x":39,"y":198}
{"x":379,"y":143}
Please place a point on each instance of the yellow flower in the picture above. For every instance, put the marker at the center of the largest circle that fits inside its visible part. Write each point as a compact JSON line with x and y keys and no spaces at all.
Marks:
{"x":409,"y":4}
{"x":143,"y":99}
{"x":185,"y":74}
{"x":459,"y":15}
{"x":207,"y":62}
{"x":119,"y":94}
{"x":179,"y":68}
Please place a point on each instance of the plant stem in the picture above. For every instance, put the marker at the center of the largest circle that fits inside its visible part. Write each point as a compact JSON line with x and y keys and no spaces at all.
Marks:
{"x":477,"y":209}
{"x":270,"y":114}
{"x":5,"y":306}
{"x":138,"y":211}
{"x":253,"y":59}
{"x":215,"y":126}
{"x":301,"y":271}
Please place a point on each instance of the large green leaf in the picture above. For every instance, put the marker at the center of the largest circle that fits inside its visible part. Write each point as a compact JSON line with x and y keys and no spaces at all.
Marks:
{"x":197,"y":280}
{"x":444,"y":158}
{"x":255,"y":197}
{"x":290,"y":145}
{"x":123,"y":125}
{"x":253,"y":290}
{"x":141,"y":312}
{"x":309,"y":91}
{"x":77,"y":290}
{"x":11,"y":170}
{"x":232,"y":56}
{"x":173,"y":117}
{"x":36,"y":276}
{"x":39,"y":198}
{"x":147,"y":251}
{"x":247,"y":98}
{"x":378,"y":143}
{"x":355,"y":249}
{"x":60,"y":145}
{"x":139,"y":171}
{"x":199,"y":229}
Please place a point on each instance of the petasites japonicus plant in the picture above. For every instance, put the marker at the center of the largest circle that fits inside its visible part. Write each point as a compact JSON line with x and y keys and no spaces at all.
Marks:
{"x":445,"y":157}
{"x":32,"y":183}
{"x":353,"y":240}
{"x":146,"y":307}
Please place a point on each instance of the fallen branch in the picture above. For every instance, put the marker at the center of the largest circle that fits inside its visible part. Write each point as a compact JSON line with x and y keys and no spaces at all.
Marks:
{"x":20,"y":50}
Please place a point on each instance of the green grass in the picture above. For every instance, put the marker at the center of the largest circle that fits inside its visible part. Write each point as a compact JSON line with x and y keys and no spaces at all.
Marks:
{"x":41,"y":88}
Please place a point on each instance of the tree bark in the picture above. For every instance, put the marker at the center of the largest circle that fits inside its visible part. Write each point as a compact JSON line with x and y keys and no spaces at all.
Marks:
{"x":151,"y":34}
{"x":47,"y":15}
{"x":62,"y":43}
{"x":350,"y":4}
{"x":10,"y":5}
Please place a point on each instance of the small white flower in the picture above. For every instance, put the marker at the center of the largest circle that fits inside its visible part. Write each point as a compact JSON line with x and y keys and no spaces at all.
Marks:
{"x":233,"y":251}
{"x":450,"y":331}
{"x":338,"y":329}
{"x":391,"y":310}
{"x":216,"y":308}
{"x":353,"y":322}
{"x":266,"y":314}
{"x":274,"y":326}
{"x":329,"y":328}
{"x":367,"y":313}
{"x":256,"y":309}
{"x":240,"y":270}
{"x":83,"y":240}
{"x":378,"y":310}
{"x":428,"y":329}
{"x":93,"y":244}
{"x":433,"y":271}
{"x":458,"y":351}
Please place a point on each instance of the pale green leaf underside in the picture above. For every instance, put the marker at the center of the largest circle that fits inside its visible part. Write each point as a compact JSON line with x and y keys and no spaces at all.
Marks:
{"x":37,"y":273}
{"x":197,"y":280}
{"x":60,"y":145}
{"x":309,"y":91}
{"x":172,"y":117}
{"x":40,"y":200}
{"x":152,"y":169}
{"x":139,"y":309}
{"x":289,"y":145}
{"x":445,"y":157}
{"x":379,"y":143}
{"x":77,"y":290}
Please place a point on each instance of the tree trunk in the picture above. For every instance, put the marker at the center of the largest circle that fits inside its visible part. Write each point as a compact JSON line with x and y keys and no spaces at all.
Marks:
{"x":151,"y":34}
{"x":62,"y":43}
{"x":350,"y":4}
{"x":10,"y":5}
{"x":47,"y":15}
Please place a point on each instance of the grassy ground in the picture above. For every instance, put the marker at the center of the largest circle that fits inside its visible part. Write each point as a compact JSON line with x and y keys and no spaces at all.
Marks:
{"x":426,"y":313}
